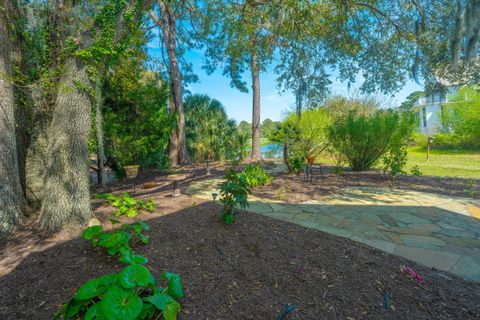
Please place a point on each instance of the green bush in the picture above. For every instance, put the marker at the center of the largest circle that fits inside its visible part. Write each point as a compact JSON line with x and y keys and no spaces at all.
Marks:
{"x":418,"y":140}
{"x":255,"y":176}
{"x":127,"y":205}
{"x":452,"y":141}
{"x":364,"y":138}
{"x":234,"y":193}
{"x":395,"y":159}
{"x":297,"y":162}
{"x":462,"y":116}
{"x":128,"y":295}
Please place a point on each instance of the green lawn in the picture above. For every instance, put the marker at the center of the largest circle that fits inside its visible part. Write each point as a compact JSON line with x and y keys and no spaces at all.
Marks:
{"x":464,"y":164}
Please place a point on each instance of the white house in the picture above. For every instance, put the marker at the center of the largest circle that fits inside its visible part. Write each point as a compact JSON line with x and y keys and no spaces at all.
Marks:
{"x":429,"y":110}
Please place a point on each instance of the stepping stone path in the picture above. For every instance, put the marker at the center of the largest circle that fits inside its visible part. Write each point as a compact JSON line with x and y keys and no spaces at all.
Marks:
{"x":435,"y":230}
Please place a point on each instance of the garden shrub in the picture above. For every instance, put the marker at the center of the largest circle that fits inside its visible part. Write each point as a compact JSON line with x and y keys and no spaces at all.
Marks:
{"x":233,"y":193}
{"x":418,"y":140}
{"x":255,"y":176}
{"x":127,"y":295}
{"x":297,"y":162}
{"x":363,"y":139}
{"x":127,"y":205}
{"x":395,"y":159}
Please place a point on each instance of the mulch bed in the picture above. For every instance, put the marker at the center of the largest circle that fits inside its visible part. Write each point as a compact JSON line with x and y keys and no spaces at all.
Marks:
{"x":248,"y":270}
{"x":294,"y":189}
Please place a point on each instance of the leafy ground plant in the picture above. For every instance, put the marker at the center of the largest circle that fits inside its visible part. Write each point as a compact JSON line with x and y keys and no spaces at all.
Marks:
{"x":127,"y":205}
{"x":255,"y":176}
{"x":415,"y":170}
{"x":119,"y":241}
{"x":130,"y":294}
{"x":234,"y":193}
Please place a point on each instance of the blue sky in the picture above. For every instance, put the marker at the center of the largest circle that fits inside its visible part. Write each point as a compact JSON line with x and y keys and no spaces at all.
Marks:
{"x":273,"y":105}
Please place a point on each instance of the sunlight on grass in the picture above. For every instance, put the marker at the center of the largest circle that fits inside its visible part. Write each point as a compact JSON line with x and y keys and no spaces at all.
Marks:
{"x":465,"y":164}
{"x":451,"y":163}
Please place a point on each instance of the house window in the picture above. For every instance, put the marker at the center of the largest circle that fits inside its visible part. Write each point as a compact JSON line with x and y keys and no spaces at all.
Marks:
{"x":424,"y":117}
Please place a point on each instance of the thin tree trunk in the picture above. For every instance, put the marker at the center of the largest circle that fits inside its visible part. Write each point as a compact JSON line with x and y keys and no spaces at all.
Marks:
{"x":167,"y":22}
{"x":286,"y":157}
{"x":102,"y":178}
{"x":10,"y":188}
{"x":256,"y":108}
{"x":66,"y":185}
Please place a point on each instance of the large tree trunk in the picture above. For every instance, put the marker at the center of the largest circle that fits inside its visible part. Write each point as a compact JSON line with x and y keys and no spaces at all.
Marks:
{"x":167,"y":22}
{"x":102,"y":178}
{"x":11,"y":195}
{"x":256,"y":108}
{"x":66,"y":186}
{"x":22,"y":93}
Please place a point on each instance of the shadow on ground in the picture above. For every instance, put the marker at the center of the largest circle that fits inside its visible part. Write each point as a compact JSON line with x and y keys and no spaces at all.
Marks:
{"x":248,"y":270}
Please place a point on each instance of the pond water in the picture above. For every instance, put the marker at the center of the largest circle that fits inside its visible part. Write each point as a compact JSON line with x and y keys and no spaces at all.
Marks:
{"x":271,"y":151}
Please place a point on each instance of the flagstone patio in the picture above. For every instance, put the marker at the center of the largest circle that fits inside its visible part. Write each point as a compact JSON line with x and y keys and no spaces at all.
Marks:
{"x":438,"y":231}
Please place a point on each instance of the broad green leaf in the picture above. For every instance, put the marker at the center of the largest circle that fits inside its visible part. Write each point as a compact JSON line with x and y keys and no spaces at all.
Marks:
{"x":144,"y":225}
{"x":175,"y":288}
{"x":116,"y":239}
{"x":171,"y":311}
{"x":134,"y":275}
{"x":73,"y":308}
{"x":160,"y":300}
{"x":92,"y":232}
{"x":144,"y":239}
{"x":148,"y":311}
{"x":91,"y":312}
{"x":119,"y":303}
{"x":129,"y":258}
{"x":95,"y":287}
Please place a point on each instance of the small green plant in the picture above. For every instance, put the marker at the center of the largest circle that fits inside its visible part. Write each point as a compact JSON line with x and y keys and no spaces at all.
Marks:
{"x":469,"y":190}
{"x":282,"y":193}
{"x":256,"y":176}
{"x":337,"y":170}
{"x":416,"y":171}
{"x":128,"y":295}
{"x":394,"y":161}
{"x":234,"y":193}
{"x":119,"y":241}
{"x":127,"y":205}
{"x":297,"y":163}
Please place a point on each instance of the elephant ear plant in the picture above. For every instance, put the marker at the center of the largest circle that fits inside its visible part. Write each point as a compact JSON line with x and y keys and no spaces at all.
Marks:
{"x":130,"y":294}
{"x":234,"y":192}
{"x":119,"y":241}
{"x":133,"y":293}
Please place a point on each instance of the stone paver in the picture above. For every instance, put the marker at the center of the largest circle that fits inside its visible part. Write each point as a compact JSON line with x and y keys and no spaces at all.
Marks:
{"x":434,"y":230}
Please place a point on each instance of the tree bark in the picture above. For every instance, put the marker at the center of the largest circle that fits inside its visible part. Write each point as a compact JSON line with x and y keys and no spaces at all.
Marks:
{"x":22,"y":93}
{"x":66,"y":186}
{"x":178,"y":154}
{"x":256,"y":108}
{"x":102,"y":178}
{"x":11,"y":194}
